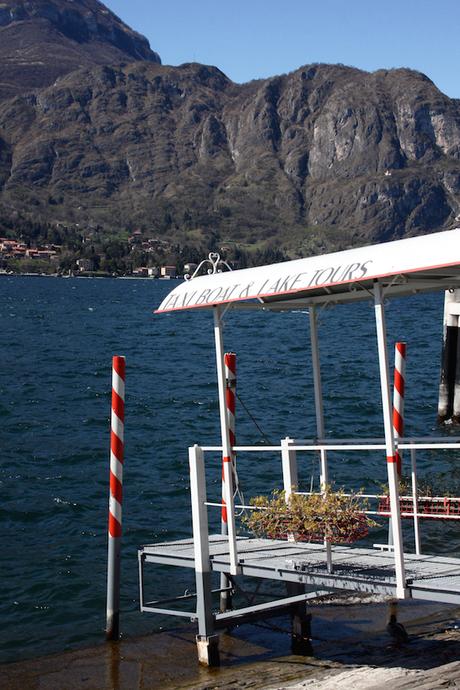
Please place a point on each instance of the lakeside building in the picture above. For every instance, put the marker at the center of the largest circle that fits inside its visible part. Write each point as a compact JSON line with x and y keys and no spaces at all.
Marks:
{"x":85,"y":265}
{"x":168,"y":272}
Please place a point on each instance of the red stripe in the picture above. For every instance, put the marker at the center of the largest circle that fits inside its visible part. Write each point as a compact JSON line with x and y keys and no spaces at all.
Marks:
{"x":116,"y":488}
{"x":391,"y":459}
{"x":232,"y":437}
{"x":224,"y":511}
{"x":118,"y":405}
{"x":401,"y":347}
{"x":226,"y":458}
{"x":119,"y":364}
{"x":399,"y":383}
{"x":116,"y":446}
{"x":398,"y":422}
{"x":230,"y":361}
{"x":114,"y":526}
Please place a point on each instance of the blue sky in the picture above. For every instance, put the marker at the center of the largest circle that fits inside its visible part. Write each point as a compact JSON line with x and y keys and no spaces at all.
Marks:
{"x":260,"y":38}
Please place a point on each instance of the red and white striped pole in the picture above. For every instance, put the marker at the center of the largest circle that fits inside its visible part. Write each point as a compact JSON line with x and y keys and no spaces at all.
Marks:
{"x":116,"y":497}
{"x":398,"y":398}
{"x":230,"y":404}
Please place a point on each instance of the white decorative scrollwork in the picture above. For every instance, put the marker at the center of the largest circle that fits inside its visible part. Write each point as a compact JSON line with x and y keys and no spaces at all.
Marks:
{"x":213,"y":263}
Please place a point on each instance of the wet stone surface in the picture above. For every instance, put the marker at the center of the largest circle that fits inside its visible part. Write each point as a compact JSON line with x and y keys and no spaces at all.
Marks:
{"x":347,"y":637}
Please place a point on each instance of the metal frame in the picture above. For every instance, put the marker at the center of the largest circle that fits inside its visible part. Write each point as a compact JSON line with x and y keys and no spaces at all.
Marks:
{"x":321,"y":582}
{"x":207,"y":620}
{"x":389,"y":441}
{"x":295,"y":288}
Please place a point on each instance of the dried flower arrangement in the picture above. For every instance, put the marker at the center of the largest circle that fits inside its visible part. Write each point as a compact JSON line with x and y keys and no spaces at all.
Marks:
{"x":332,"y":516}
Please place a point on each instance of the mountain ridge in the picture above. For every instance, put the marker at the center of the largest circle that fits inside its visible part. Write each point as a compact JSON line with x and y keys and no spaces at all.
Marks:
{"x":41,"y":40}
{"x":325,"y":157}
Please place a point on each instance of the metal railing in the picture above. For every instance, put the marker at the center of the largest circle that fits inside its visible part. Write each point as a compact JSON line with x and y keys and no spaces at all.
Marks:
{"x":288,"y":449}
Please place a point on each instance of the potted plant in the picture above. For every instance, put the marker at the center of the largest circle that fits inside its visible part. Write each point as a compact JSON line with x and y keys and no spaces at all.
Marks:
{"x":333,"y":516}
{"x":436,"y":495}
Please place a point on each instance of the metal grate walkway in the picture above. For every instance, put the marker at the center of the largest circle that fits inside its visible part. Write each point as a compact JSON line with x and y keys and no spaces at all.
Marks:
{"x":435,"y":578}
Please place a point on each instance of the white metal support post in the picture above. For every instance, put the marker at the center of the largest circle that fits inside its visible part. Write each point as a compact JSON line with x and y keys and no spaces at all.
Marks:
{"x":319,"y":410}
{"x":449,"y":358}
{"x":393,"y":483}
{"x":289,"y":463}
{"x":456,"y":395}
{"x":413,"y":458}
{"x":226,"y":446}
{"x":290,"y":477}
{"x":207,"y":642}
{"x":301,"y":632}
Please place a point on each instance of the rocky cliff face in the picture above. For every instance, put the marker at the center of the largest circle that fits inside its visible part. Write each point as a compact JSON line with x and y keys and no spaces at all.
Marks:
{"x":323,"y":157}
{"x":41,"y":40}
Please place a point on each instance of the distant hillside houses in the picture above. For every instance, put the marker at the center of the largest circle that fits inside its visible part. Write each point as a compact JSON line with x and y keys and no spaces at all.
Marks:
{"x":12,"y":249}
{"x":150,"y":244}
{"x":136,"y":257}
{"x":146,"y":271}
{"x":155,"y":272}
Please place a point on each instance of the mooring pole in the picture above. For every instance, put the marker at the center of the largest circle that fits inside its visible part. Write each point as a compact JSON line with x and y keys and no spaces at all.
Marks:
{"x":448,"y":360}
{"x":399,"y":378}
{"x":226,"y":446}
{"x":398,"y":398}
{"x":389,"y":441}
{"x":230,"y":401}
{"x":115,"y":498}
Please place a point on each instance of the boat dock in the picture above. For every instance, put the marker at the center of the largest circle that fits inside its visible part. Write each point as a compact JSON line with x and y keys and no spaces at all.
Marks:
{"x":309,"y":570}
{"x":356,"y":569}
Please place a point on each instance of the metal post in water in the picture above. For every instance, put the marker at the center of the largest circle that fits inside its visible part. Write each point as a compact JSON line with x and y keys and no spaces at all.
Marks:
{"x":226,"y":447}
{"x":448,"y":360}
{"x":398,"y":411}
{"x":230,"y":400}
{"x":115,"y":497}
{"x":398,"y":398}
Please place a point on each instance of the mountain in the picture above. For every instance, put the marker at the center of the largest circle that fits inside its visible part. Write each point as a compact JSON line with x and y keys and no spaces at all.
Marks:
{"x":41,"y":40}
{"x":327,"y":156}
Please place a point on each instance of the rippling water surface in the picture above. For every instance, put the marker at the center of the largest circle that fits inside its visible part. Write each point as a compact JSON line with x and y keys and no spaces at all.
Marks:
{"x":57,"y":338}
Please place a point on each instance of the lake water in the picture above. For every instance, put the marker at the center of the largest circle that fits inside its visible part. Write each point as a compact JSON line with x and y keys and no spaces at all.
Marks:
{"x":57,"y":338}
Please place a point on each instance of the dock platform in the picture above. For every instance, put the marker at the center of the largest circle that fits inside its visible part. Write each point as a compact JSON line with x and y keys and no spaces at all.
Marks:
{"x":369,"y":570}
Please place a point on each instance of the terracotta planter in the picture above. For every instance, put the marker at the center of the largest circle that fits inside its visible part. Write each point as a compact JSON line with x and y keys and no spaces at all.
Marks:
{"x":342,"y":534}
{"x":446,"y":506}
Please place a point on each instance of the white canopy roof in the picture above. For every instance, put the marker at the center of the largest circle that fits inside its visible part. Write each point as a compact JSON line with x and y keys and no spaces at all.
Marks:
{"x":429,"y":262}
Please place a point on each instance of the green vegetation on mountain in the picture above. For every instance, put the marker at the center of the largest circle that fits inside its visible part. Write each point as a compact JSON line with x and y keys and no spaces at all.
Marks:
{"x":323,"y":158}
